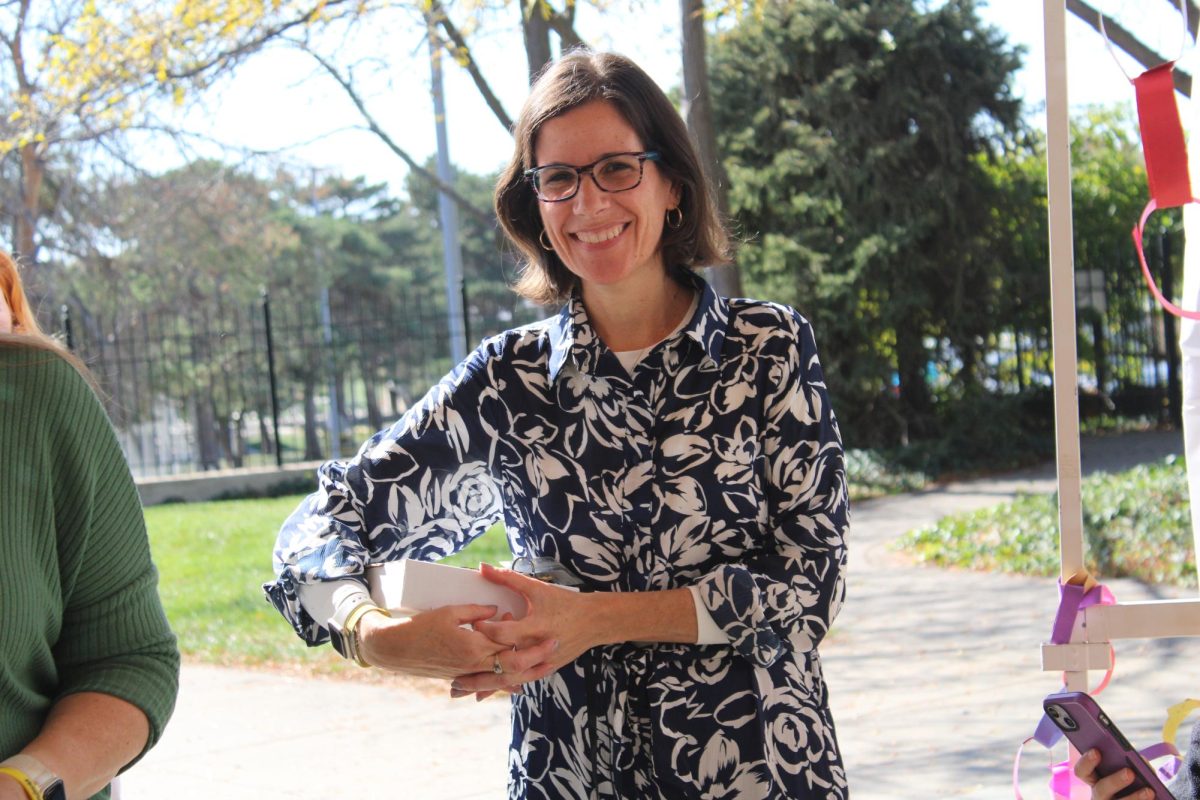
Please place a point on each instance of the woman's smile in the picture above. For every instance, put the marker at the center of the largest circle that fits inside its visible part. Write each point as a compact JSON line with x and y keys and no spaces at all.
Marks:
{"x":602,"y":235}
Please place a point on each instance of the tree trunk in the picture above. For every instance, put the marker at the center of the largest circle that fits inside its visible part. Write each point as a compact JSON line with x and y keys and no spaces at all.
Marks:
{"x":697,"y":112}
{"x":912,"y":361}
{"x":537,"y":35}
{"x":312,"y":445}
{"x":33,"y":171}
{"x":267,"y":444}
{"x":229,"y":433}
{"x":207,"y":448}
{"x":371,"y":386}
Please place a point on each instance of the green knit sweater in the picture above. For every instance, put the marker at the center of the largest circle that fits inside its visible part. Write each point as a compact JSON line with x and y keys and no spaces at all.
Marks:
{"x":78,"y":592}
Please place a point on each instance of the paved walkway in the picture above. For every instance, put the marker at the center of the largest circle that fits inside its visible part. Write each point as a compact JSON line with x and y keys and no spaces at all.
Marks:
{"x":934,"y":676}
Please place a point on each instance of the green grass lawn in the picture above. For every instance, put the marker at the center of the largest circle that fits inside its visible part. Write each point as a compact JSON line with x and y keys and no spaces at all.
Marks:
{"x":213,"y":559}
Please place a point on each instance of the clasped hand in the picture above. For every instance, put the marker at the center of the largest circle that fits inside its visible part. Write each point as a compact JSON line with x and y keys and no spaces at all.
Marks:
{"x":442,"y":643}
{"x":554,"y":616}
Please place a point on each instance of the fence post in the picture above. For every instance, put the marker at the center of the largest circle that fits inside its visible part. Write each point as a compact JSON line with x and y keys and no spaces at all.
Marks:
{"x":462,"y":281}
{"x":64,"y":321}
{"x":266,"y":305}
{"x":1170,"y":335}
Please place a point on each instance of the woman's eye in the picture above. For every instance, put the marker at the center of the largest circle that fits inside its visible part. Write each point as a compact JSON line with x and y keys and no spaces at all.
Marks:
{"x":557,"y":177}
{"x":615,"y":167}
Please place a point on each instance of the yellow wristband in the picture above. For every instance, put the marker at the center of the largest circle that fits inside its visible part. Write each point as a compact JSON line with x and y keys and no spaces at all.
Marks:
{"x":32,"y":790}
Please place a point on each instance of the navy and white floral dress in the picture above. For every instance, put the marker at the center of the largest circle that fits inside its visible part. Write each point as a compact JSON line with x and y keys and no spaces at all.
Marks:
{"x":717,"y":464}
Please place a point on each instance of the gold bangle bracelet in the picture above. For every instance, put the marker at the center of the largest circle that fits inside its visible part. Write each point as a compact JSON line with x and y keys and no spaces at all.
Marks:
{"x":348,"y":626}
{"x":352,"y":623}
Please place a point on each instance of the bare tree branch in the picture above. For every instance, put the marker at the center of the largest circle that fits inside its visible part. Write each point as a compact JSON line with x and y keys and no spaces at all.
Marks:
{"x":374,"y":127}
{"x":1125,"y":40}
{"x":462,"y":55}
{"x":16,"y":47}
{"x":535,"y":32}
{"x":563,"y":24}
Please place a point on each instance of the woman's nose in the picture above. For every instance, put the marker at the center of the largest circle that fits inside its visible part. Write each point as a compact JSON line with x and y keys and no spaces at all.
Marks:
{"x":590,"y":198}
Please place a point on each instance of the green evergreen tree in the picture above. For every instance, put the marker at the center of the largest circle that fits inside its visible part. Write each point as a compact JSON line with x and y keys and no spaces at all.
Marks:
{"x":855,"y":137}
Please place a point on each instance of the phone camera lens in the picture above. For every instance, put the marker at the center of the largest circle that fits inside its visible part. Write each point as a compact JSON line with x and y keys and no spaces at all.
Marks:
{"x":1061,"y":718}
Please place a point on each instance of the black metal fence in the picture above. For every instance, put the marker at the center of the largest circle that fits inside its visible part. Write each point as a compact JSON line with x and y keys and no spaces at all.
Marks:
{"x":226,"y":385}
{"x":268,"y":383}
{"x":1127,"y":346}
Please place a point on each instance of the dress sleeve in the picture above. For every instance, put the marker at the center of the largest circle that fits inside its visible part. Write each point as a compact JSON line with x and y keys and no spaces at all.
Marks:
{"x":784,"y":597}
{"x":114,"y":637}
{"x":420,"y":489}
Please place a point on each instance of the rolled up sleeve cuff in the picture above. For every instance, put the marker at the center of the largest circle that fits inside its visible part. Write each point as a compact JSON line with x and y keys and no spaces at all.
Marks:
{"x":732,"y":598}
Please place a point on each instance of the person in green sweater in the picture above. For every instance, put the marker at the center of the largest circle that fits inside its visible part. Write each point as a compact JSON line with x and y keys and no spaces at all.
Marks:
{"x":89,"y":668}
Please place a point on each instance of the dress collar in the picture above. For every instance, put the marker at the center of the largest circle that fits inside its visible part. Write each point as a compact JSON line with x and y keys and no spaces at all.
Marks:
{"x":574,"y":340}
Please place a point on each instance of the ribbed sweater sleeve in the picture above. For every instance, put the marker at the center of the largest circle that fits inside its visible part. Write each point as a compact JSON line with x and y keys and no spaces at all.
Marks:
{"x":81,"y":526}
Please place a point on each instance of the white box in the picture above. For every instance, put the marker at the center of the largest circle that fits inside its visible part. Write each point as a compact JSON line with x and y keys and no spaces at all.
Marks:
{"x":407,"y":586}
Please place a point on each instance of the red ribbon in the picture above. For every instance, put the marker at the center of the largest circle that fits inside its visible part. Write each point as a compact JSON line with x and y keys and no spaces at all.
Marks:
{"x":1166,"y":161}
{"x":1162,"y":137}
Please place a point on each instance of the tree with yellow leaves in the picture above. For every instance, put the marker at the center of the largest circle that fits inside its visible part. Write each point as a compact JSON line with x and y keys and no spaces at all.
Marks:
{"x":82,"y":72}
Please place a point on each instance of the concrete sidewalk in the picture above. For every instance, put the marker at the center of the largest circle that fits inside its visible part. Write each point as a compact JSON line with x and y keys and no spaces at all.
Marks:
{"x":934,"y":677}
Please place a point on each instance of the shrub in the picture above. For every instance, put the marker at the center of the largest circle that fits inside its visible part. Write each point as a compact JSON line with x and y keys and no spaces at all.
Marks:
{"x":1136,"y":524}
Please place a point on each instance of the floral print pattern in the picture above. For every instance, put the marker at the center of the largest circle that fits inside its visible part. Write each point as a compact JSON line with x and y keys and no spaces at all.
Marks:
{"x":718,"y":463}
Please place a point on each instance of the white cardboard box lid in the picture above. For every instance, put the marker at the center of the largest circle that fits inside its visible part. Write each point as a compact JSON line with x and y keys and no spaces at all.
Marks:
{"x":408,"y":586}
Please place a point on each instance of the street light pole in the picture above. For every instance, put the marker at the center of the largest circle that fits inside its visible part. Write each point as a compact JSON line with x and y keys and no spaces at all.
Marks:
{"x":447,"y":211}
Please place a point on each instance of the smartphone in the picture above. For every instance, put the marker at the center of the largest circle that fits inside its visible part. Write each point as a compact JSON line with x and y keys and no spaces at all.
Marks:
{"x":1086,"y":726}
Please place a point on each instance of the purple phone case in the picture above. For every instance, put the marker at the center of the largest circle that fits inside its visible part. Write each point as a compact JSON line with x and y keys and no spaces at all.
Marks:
{"x":1086,"y":726}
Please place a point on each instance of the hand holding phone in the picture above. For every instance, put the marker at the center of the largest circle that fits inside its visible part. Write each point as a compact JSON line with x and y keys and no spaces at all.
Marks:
{"x":1087,"y":727}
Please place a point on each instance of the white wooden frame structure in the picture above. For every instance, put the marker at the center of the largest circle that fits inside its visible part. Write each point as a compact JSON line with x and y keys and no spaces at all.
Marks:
{"x":1096,"y":627}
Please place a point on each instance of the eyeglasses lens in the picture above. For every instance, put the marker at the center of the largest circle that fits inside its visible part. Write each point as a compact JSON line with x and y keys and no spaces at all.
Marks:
{"x":615,"y":174}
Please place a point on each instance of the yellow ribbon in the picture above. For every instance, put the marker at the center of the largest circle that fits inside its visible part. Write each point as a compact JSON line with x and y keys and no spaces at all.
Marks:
{"x":1082,"y":578}
{"x":1175,"y":716}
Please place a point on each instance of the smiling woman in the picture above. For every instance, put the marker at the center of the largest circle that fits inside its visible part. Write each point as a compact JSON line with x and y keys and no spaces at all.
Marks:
{"x":674,"y":450}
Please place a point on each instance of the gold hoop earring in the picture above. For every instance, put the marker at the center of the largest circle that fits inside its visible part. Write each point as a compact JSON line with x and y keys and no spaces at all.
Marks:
{"x":544,"y":242}
{"x":674,"y":224}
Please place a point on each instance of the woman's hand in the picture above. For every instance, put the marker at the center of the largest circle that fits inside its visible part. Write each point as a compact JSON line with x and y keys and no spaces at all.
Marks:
{"x":1108,"y":787}
{"x":553,"y":614}
{"x":577,"y":622}
{"x":434,"y":644}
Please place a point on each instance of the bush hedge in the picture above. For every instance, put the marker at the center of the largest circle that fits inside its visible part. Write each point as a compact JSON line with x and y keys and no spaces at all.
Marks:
{"x":1136,"y":524}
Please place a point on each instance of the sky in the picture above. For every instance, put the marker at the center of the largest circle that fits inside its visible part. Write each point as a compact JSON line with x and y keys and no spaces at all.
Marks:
{"x":280,"y":99}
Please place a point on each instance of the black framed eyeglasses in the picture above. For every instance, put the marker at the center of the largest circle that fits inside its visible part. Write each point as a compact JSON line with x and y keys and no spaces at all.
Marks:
{"x":619,"y":172}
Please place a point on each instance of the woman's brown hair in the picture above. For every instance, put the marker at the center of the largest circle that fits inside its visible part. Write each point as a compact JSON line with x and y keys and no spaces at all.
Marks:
{"x":579,"y":77}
